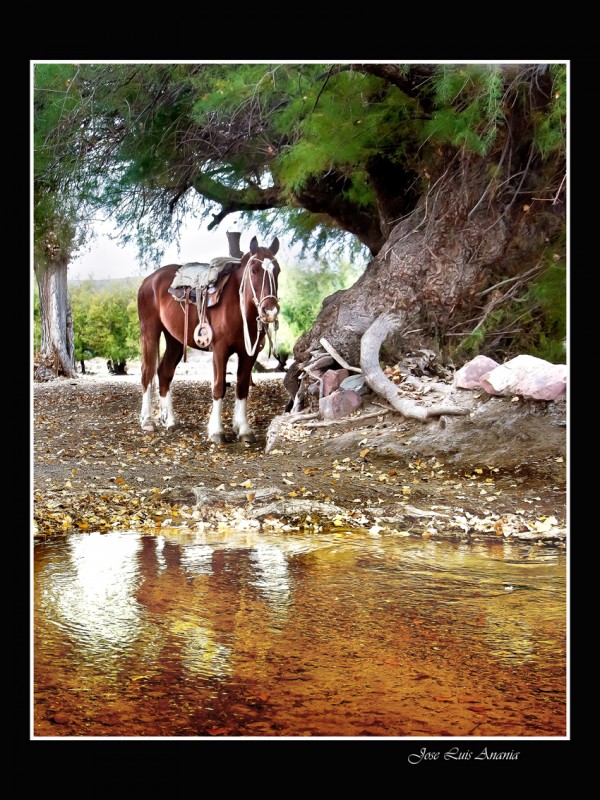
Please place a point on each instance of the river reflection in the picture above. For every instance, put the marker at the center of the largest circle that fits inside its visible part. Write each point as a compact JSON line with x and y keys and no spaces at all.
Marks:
{"x":182,"y":633}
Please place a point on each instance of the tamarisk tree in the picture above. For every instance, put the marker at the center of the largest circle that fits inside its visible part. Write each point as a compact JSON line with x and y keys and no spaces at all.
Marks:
{"x":449,"y":177}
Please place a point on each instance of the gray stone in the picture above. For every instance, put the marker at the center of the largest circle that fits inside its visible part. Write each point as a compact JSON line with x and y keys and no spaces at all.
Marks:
{"x":355,"y":382}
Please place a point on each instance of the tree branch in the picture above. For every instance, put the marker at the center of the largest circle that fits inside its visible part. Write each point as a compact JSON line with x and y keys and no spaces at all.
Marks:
{"x":341,"y":361}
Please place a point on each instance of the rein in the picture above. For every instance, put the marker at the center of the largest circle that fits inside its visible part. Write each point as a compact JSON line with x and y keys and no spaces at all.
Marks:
{"x":260,"y":323}
{"x":185,"y":321}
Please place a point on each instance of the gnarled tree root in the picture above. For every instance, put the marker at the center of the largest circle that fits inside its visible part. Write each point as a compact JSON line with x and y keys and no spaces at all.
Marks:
{"x":370,"y":345}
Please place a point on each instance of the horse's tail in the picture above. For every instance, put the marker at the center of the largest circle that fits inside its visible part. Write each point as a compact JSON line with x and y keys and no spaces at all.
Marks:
{"x":148,"y":316}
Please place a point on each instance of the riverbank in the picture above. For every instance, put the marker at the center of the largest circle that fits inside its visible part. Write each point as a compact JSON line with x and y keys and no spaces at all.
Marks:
{"x":94,"y":469}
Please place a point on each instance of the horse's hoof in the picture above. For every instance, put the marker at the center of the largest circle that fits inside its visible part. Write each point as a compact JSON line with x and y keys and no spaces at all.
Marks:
{"x":248,"y":438}
{"x":149,"y":427}
{"x":216,"y":438}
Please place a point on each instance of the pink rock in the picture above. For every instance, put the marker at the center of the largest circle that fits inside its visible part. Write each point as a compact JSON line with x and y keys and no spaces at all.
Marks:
{"x":542,"y":385}
{"x":469,"y":375}
{"x":332,"y":379}
{"x":527,"y":376}
{"x":339,"y":403}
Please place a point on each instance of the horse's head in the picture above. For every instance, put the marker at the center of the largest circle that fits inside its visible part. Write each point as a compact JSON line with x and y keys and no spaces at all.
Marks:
{"x":259,"y":280}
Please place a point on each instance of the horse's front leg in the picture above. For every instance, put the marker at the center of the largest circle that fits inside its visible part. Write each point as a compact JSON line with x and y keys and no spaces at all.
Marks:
{"x":241,"y":426}
{"x":215,"y":423}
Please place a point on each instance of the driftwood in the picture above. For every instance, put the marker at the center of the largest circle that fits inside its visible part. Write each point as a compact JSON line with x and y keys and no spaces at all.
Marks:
{"x":300,"y":417}
{"x":268,"y":501}
{"x":370,"y":345}
{"x":292,"y":507}
{"x":310,"y":371}
{"x":333,"y":352}
{"x":208,"y":497}
{"x":348,"y":420}
{"x":319,"y":361}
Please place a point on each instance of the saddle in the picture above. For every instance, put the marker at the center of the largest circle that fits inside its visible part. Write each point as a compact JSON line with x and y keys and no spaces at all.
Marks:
{"x":199,"y":277}
{"x":202,"y":284}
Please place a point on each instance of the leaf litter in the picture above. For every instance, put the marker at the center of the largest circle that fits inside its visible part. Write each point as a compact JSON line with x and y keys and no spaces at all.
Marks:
{"x":95,"y":470}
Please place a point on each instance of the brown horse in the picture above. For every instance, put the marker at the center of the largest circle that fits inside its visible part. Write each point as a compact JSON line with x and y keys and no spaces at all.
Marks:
{"x":238,"y":324}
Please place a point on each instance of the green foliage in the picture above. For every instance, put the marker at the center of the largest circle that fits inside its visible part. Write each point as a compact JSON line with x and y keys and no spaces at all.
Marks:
{"x":302,"y":289}
{"x":324,"y":152}
{"x":469,"y":101}
{"x":341,"y":126}
{"x":550,"y":135}
{"x":105,"y":322}
{"x":152,"y":143}
{"x":533,"y":322}
{"x":55,"y":215}
{"x":548,"y":297}
{"x":306,"y":232}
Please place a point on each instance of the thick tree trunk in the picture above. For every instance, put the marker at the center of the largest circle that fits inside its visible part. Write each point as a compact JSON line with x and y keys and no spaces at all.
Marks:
{"x":57,"y":345}
{"x":436,"y":267}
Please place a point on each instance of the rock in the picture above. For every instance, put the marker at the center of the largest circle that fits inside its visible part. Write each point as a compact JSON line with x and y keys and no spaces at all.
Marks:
{"x":469,"y":375}
{"x":332,"y":380}
{"x":356,"y":382}
{"x":339,"y":404}
{"x":527,"y":376}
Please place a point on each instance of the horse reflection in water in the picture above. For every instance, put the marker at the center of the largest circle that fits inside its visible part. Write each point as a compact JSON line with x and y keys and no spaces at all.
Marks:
{"x":235,"y":325}
{"x":255,"y":580}
{"x":177,"y":607}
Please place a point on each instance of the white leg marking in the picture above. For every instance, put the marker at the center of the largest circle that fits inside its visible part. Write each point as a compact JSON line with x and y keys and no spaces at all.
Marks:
{"x":240,"y":419}
{"x":146,"y":413}
{"x":215,"y":427}
{"x":167,"y":416}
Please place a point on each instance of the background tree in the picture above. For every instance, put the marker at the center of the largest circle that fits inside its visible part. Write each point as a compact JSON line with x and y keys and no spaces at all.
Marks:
{"x":303,"y":287}
{"x":451,"y":176}
{"x":106,"y":323}
{"x":54,"y":233}
{"x":83,"y":335}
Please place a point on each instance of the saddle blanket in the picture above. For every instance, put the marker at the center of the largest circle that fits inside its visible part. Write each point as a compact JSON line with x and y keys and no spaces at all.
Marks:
{"x":198,"y":275}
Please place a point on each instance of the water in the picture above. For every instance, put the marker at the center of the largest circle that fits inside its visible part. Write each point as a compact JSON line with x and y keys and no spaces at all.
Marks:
{"x":341,"y":634}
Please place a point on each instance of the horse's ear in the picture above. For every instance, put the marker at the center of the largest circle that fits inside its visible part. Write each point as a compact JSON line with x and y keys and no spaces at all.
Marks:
{"x":275,"y":246}
{"x":254,"y":245}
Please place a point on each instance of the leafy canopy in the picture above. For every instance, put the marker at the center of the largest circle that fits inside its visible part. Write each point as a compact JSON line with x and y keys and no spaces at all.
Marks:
{"x":330,"y":152}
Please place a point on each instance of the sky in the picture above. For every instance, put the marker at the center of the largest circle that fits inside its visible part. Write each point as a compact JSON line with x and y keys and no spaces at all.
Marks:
{"x":104,"y":258}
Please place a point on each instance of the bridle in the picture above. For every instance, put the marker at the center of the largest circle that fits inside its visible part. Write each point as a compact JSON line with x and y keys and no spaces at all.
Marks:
{"x":262,"y":322}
